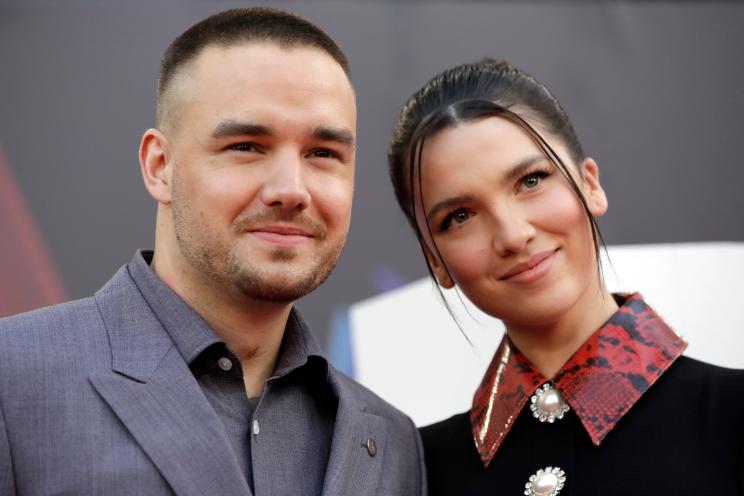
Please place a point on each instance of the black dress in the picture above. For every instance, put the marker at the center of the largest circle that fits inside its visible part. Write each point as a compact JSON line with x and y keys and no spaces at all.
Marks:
{"x":642,"y":421}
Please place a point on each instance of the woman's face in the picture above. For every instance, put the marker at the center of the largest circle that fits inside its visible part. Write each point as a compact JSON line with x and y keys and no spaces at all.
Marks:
{"x":510,"y":231}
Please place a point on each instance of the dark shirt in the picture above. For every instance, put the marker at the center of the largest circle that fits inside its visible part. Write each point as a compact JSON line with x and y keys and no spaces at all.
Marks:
{"x":282,"y":439}
{"x":641,"y":421}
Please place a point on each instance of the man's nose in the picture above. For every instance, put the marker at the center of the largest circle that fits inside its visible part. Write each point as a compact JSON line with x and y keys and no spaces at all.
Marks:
{"x":284,"y":185}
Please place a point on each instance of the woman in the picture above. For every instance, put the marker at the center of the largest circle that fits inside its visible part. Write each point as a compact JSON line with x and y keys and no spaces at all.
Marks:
{"x":588,"y":392}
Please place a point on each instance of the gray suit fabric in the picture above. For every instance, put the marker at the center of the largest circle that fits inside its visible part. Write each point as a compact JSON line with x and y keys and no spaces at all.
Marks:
{"x":296,"y":412}
{"x":96,"y":399}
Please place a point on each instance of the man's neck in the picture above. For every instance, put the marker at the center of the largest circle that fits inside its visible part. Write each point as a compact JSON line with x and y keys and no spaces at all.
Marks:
{"x":252,"y":329}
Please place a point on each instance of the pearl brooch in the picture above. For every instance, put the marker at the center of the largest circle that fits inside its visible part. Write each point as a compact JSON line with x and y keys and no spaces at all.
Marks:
{"x":547,"y":404}
{"x":545,"y":482}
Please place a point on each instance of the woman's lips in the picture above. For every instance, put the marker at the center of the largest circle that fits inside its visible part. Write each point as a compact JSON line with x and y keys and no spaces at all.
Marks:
{"x":532,"y":269}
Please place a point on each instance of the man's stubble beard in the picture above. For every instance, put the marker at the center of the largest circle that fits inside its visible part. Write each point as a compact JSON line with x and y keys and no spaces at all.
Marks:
{"x":283,"y":287}
{"x":221,"y":264}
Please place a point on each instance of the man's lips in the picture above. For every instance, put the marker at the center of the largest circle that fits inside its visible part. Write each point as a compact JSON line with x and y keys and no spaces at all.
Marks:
{"x":283,"y":235}
{"x":531,"y":269}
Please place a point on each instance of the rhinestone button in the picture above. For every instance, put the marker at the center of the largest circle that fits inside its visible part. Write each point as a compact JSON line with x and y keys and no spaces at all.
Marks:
{"x":255,"y":428}
{"x":224,"y":363}
{"x":545,"y":482}
{"x":547,"y":404}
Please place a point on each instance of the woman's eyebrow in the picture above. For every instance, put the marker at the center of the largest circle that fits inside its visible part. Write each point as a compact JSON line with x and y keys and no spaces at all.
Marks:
{"x":447,"y":204}
{"x":518,"y":169}
{"x":515,"y":172}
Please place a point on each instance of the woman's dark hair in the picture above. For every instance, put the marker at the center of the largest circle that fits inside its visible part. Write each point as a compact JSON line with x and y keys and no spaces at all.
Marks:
{"x":490,"y":88}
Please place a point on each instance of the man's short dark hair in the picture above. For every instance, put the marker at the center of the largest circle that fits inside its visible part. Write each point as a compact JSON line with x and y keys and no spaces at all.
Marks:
{"x":236,"y":26}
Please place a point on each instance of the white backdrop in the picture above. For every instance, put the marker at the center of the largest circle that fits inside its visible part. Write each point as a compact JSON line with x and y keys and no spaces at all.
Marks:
{"x":407,"y":348}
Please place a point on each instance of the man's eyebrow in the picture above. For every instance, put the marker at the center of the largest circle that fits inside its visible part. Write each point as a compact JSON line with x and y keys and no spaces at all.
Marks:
{"x":226,"y":129}
{"x":341,"y":136}
{"x":229,"y":128}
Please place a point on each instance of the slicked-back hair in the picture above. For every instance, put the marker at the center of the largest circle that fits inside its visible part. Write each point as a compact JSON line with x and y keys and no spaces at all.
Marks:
{"x":239,"y":26}
{"x":449,"y":93}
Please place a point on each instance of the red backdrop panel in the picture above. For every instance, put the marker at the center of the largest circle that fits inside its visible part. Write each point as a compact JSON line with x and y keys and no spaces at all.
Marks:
{"x":28,"y":277}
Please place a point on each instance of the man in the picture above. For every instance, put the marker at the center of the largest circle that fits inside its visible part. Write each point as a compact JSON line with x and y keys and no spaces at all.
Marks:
{"x":190,"y":372}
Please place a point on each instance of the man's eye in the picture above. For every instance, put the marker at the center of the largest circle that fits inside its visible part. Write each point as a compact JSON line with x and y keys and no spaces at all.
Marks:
{"x":243,"y":147}
{"x":324,"y":153}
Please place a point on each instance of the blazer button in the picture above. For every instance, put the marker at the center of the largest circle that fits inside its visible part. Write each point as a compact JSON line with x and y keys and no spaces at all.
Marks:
{"x":371,"y":446}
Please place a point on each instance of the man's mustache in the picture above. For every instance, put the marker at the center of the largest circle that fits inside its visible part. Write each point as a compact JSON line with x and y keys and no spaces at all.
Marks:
{"x":276,"y":216}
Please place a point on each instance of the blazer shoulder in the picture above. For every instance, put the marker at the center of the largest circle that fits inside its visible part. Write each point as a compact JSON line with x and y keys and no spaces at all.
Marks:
{"x":74,"y":328}
{"x":709,"y":389}
{"x":60,"y":342}
{"x":693,"y":370}
{"x":50,"y":320}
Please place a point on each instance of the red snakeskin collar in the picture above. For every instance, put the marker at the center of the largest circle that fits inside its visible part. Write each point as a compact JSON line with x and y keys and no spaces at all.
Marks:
{"x":600,"y":382}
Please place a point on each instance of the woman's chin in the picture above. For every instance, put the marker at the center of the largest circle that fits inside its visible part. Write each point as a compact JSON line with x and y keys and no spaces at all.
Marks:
{"x":540,"y":310}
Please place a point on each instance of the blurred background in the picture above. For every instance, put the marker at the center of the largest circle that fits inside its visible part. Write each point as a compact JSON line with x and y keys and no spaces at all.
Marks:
{"x":654,"y":89}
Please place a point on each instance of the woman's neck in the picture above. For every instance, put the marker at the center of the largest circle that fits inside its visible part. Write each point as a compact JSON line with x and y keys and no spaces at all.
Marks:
{"x":548,"y":347}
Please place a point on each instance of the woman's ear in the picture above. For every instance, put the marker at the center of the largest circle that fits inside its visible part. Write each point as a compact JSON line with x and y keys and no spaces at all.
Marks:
{"x":156,"y":165}
{"x":596,"y":199}
{"x":439,"y":270}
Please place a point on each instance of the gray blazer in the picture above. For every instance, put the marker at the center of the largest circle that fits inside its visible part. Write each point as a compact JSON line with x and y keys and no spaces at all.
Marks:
{"x":96,"y":400}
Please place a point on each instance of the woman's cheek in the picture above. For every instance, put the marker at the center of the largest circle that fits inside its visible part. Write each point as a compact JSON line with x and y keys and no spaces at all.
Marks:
{"x":558,"y":210}
{"x":466,"y":258}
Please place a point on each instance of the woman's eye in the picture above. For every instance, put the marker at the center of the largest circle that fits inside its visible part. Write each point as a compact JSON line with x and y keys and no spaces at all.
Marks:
{"x":457,"y":217}
{"x":460,"y":216}
{"x":533,"y":180}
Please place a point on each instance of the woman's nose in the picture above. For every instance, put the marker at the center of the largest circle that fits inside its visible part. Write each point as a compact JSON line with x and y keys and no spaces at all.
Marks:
{"x":512,"y":231}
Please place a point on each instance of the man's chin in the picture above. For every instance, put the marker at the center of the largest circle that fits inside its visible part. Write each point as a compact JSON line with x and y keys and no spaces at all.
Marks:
{"x":284,"y":276}
{"x":278,"y":285}
{"x":276,"y":290}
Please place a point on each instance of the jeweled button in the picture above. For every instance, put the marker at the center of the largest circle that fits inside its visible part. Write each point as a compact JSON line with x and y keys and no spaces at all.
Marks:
{"x":545,"y":482}
{"x":547,"y":404}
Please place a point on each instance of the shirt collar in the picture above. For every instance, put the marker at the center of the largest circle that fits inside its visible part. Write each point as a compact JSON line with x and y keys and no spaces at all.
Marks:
{"x":189,"y":331}
{"x":299,"y":348}
{"x":600,"y":382}
{"x":192,"y":335}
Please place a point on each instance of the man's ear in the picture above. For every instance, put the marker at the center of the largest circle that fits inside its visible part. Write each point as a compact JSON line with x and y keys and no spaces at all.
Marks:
{"x":156,"y":165}
{"x":596,"y":199}
{"x":439,"y":270}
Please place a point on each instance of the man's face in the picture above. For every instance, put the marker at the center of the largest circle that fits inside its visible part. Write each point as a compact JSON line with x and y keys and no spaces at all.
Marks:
{"x":263,"y":173}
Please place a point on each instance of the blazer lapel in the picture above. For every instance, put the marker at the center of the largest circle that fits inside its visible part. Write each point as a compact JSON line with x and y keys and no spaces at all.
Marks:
{"x":154,"y":394}
{"x":358,"y":447}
